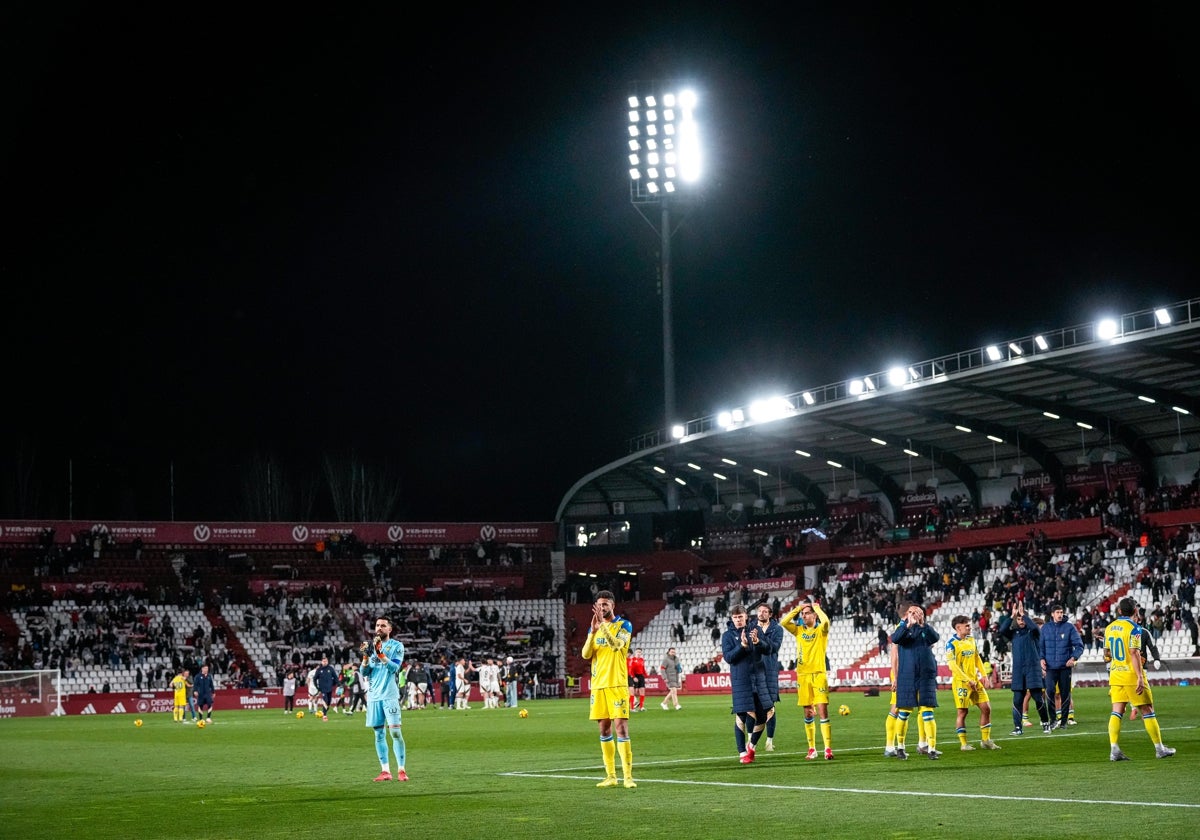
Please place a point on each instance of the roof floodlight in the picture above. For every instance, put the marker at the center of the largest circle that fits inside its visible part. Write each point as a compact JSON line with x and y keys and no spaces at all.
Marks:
{"x":993,"y":353}
{"x":760,"y":472}
{"x":1083,"y":425}
{"x":635,"y":173}
{"x":1180,"y":410}
{"x":725,"y":419}
{"x":633,"y":102}
{"x":660,"y":470}
{"x":912,"y":454}
{"x":634,"y":132}
{"x":652,"y":172}
{"x":1163,"y":316}
{"x":869,"y":382}
{"x":729,"y":461}
{"x":1146,"y":399}
{"x":635,"y":116}
{"x":739,"y":416}
{"x":651,"y":102}
{"x":897,"y":376}
{"x":677,"y":431}
{"x":1015,"y":349}
{"x":809,"y":399}
{"x":1051,"y":415}
{"x":1041,"y":342}
{"x":719,"y":477}
{"x":634,"y":146}
{"x":963,"y":429}
{"x":878,"y":441}
{"x":693,"y":466}
{"x":679,"y":480}
{"x":803,"y":454}
{"x":855,"y":387}
{"x":914,"y":373}
{"x":1106,"y":328}
{"x":834,"y":464}
{"x":669,"y":186}
{"x":995,"y":439}
{"x":651,"y":116}
{"x":652,"y":187}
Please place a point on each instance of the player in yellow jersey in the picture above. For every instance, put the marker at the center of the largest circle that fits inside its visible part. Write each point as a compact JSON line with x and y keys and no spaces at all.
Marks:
{"x":894,"y":745}
{"x":968,"y":684}
{"x":812,"y":680}
{"x":180,"y":684}
{"x":1127,"y":681}
{"x":607,"y":647}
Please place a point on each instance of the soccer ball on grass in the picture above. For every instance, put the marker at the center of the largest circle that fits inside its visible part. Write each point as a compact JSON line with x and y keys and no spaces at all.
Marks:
{"x":300,"y":714}
{"x":524,"y":713}
{"x":137,"y":722}
{"x":843,"y":710}
{"x":200,"y":724}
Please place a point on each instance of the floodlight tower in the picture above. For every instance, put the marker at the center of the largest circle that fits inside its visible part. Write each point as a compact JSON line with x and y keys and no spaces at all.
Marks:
{"x":664,"y":168}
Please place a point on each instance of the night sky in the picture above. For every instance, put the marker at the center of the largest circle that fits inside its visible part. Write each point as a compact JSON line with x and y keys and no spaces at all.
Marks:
{"x":235,"y":235}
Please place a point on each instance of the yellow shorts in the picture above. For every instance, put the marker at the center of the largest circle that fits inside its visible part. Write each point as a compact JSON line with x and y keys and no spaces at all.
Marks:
{"x":812,"y":689}
{"x":610,"y":703}
{"x":965,"y":697}
{"x":1125,"y":694}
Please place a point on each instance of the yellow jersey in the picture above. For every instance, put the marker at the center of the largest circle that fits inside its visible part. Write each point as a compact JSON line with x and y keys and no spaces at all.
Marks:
{"x":608,"y":650}
{"x":1123,"y":639}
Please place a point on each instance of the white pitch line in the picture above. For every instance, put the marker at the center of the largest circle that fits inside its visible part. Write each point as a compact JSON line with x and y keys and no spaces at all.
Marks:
{"x":566,"y":773}
{"x":874,"y":792}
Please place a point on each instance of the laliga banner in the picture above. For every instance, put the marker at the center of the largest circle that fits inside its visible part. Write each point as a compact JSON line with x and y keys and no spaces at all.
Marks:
{"x":276,"y":533}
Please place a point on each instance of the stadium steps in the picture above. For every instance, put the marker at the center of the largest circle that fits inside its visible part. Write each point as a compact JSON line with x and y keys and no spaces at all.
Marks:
{"x":233,"y":644}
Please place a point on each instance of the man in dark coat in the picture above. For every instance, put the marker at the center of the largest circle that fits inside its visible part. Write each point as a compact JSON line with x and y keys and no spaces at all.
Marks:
{"x":744,"y":648}
{"x":916,"y":674}
{"x":1061,"y":647}
{"x":1027,"y":672}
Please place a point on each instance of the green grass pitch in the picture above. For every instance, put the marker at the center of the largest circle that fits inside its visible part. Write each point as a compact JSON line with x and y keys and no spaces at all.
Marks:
{"x":489,"y":773}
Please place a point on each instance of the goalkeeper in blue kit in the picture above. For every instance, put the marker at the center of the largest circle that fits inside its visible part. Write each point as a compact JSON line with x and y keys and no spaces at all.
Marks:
{"x":381,"y":661}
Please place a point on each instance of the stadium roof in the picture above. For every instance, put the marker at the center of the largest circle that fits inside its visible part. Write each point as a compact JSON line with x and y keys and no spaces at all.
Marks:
{"x":1129,"y":395}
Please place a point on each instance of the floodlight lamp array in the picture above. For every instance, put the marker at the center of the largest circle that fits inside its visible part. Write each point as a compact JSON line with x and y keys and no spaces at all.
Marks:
{"x":664,"y":147}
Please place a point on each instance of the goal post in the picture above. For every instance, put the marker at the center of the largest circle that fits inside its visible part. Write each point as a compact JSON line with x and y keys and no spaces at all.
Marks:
{"x":30,"y":693}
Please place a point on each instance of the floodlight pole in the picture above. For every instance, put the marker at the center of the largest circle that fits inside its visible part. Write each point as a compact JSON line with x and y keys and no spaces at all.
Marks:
{"x":668,"y":342}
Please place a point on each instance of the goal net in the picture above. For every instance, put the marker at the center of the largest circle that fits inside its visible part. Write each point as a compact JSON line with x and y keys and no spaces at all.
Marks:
{"x":30,"y":693}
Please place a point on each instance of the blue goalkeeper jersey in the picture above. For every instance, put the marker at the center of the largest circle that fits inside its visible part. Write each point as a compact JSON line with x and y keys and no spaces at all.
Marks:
{"x":381,"y":673}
